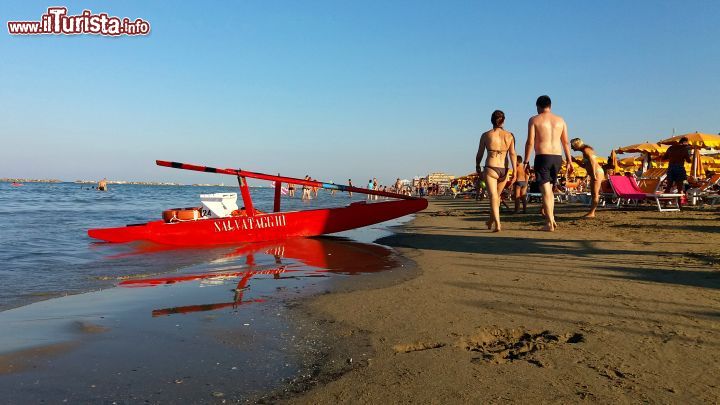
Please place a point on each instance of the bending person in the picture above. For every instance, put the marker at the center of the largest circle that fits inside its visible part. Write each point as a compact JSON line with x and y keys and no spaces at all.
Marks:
{"x":498,"y":142}
{"x":596,"y":173}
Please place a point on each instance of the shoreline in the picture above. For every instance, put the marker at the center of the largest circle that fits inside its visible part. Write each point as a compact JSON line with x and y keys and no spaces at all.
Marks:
{"x":600,"y":309}
{"x":68,"y":332}
{"x":344,"y":348}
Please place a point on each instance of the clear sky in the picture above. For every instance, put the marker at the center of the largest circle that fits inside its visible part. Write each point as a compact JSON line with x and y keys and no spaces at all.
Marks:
{"x":340,"y":89}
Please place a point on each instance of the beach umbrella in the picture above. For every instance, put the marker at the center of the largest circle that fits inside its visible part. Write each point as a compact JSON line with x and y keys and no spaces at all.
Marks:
{"x":578,"y":171}
{"x":601,"y":160}
{"x":629,"y":161}
{"x":647,"y":147}
{"x":696,"y":140}
{"x":697,"y":165}
{"x":613,"y":160}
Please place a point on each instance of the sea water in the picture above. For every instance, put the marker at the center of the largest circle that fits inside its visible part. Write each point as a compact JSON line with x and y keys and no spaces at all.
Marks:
{"x":78,"y":325}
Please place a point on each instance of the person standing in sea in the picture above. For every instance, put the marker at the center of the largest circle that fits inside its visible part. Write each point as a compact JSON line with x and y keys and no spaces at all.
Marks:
{"x":314,"y":188}
{"x":499,"y":143}
{"x":350,"y":185}
{"x":548,"y":138}
{"x":306,"y":189}
{"x":291,"y":190}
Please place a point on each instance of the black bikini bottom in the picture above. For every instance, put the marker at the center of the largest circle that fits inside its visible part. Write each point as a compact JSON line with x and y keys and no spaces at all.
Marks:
{"x":500,"y":171}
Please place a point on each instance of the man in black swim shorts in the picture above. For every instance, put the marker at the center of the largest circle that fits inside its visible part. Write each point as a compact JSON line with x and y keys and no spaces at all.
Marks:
{"x":547,"y":168}
{"x":548,"y":138}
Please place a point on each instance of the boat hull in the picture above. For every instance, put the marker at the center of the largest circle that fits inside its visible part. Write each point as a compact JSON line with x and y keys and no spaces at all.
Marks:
{"x":261,"y":227}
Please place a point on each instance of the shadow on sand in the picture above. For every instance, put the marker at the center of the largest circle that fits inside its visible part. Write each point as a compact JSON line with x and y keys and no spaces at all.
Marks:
{"x":640,"y":264}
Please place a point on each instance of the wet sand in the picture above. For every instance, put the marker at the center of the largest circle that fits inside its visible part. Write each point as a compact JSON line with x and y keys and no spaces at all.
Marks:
{"x":624,"y":308}
{"x":213,"y":332}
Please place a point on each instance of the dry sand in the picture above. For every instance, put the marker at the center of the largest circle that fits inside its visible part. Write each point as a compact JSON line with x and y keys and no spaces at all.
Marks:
{"x":623,"y":308}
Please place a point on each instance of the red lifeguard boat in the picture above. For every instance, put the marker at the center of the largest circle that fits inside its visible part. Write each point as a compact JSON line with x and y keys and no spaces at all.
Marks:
{"x":192,"y":227}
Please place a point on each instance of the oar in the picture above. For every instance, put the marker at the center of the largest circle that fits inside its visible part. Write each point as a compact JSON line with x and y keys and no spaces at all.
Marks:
{"x":291,"y":180}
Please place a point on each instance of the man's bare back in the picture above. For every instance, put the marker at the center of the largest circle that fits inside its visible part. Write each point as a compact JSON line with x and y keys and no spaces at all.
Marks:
{"x":548,"y":130}
{"x":547,"y":133}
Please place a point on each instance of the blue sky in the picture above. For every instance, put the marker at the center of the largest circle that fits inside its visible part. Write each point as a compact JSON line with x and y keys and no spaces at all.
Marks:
{"x":341,"y":89}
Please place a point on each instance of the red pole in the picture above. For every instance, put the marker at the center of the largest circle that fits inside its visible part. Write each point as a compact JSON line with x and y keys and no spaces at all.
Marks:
{"x":278,"y":188}
{"x":262,"y":176}
{"x":247,"y":200}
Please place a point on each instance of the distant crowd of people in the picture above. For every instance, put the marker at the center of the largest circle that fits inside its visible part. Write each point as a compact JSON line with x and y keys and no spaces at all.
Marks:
{"x":420,"y":188}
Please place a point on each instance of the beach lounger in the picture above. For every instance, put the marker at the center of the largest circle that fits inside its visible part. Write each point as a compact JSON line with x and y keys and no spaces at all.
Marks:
{"x":534,"y":194}
{"x":627,"y":190}
{"x":651,"y":180}
{"x":704,"y":190}
{"x":607,"y":194}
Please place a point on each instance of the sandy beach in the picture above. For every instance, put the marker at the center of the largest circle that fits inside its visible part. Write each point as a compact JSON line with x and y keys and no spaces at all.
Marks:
{"x":621,"y":309}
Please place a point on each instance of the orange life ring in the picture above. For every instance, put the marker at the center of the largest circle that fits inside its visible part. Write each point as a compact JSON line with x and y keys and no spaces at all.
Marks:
{"x":169,"y":215}
{"x":181,"y":214}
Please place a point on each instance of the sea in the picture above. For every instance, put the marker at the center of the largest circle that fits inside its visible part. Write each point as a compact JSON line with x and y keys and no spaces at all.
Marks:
{"x":87,"y":321}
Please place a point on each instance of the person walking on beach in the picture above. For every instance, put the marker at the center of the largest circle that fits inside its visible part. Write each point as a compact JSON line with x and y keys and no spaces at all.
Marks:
{"x":595,"y":172}
{"x":520,"y":186}
{"x":548,"y":138}
{"x":677,"y":155}
{"x":498,"y":142}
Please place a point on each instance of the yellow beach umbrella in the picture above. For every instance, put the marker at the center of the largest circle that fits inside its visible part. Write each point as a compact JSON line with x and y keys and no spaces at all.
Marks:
{"x":647,"y":147}
{"x":629,"y":161}
{"x":696,"y":140}
{"x":697,"y":165}
{"x":578,"y":171}
{"x":579,"y":158}
{"x":613,"y":160}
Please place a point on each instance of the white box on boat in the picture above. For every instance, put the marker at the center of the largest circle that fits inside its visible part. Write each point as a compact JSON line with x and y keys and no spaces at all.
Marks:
{"x":218,"y":205}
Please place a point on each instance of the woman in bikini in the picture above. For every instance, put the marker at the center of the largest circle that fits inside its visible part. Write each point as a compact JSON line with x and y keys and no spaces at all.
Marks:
{"x":595,"y":172}
{"x":498,"y":142}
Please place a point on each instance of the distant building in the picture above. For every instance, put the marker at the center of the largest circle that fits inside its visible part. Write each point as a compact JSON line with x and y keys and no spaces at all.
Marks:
{"x":443,"y":179}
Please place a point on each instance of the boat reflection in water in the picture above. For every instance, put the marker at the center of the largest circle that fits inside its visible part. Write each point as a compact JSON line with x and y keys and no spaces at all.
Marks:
{"x":288,"y":260}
